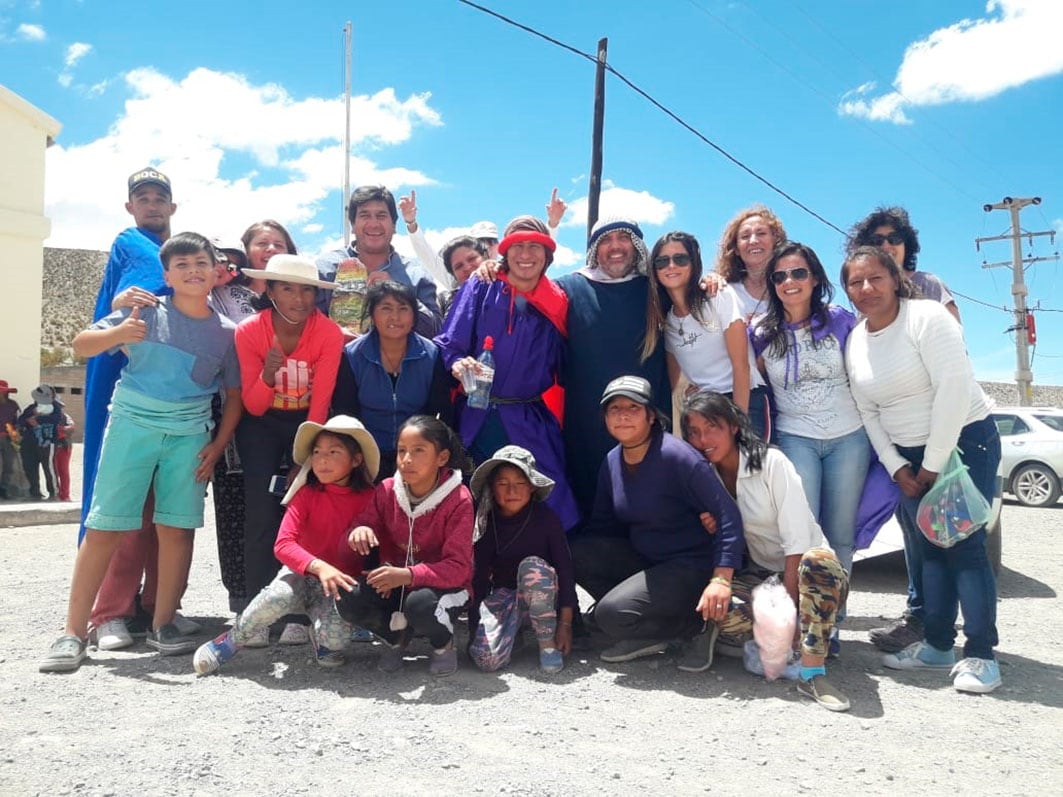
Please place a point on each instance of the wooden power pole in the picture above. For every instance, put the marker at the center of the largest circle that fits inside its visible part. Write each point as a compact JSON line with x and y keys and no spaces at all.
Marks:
{"x":595,"y":191}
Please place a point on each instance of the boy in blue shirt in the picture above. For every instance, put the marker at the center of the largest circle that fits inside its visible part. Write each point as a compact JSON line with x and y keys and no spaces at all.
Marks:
{"x":159,"y":434}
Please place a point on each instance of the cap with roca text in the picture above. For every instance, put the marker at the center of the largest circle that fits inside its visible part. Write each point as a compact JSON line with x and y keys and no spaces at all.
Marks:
{"x":149,"y":176}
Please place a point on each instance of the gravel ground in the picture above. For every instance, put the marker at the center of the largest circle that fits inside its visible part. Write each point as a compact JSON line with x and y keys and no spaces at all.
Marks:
{"x":132,"y":723}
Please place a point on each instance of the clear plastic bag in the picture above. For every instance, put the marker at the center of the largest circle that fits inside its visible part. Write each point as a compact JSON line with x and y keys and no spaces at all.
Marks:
{"x":953,"y":508}
{"x":751,"y":661}
{"x":774,"y":621}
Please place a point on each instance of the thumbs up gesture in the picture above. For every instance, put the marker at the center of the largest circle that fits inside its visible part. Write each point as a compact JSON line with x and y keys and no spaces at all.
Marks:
{"x":274,"y":362}
{"x":132,"y":329}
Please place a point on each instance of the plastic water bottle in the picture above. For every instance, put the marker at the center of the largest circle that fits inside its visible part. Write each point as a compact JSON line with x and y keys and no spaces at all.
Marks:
{"x":480,"y":397}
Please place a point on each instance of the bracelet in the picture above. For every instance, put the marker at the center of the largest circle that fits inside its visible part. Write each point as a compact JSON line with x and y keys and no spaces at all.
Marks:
{"x":720,"y":580}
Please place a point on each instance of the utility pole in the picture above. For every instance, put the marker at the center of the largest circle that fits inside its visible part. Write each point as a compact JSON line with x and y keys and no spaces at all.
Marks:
{"x":595,"y":189}
{"x":1023,"y":327}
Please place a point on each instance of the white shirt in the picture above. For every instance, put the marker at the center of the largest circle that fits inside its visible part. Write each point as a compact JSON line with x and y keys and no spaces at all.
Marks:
{"x":775,"y":513}
{"x":816,"y":401}
{"x":913,"y":384}
{"x":752,"y":309}
{"x":700,"y":348}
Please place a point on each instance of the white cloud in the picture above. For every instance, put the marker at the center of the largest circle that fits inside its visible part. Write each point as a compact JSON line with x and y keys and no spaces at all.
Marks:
{"x":641,"y":206}
{"x":289,"y":152}
{"x":31,"y":33}
{"x":75,"y":52}
{"x":1016,"y":42}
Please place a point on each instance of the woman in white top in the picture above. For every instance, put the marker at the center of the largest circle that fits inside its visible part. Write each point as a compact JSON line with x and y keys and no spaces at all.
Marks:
{"x":915,"y":388}
{"x":801,"y":342}
{"x":782,"y":537}
{"x":705,"y":338}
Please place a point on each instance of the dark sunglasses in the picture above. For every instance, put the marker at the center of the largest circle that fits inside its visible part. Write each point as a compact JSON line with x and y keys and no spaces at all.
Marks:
{"x":662,"y":261}
{"x":894,"y":238}
{"x":799,"y":274}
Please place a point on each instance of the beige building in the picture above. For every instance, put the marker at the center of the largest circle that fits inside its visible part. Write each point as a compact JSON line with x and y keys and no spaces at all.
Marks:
{"x":25,"y":133}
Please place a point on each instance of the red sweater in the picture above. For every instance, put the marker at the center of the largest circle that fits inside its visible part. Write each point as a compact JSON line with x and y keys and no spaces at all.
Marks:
{"x":316,"y":526}
{"x":308,"y":376}
{"x":441,"y":529}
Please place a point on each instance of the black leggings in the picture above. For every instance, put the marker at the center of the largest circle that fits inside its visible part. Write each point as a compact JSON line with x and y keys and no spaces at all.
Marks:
{"x":426,"y":609}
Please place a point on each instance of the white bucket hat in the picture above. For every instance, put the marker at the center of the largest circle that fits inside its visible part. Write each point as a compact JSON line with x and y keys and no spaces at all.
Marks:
{"x":289,"y":268}
{"x":337,"y":424}
{"x":521,"y":459}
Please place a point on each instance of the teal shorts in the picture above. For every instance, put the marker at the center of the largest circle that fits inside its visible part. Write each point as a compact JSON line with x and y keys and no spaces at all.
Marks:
{"x":135,"y":457}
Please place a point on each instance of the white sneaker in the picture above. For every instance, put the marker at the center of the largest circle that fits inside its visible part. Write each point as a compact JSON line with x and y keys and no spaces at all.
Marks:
{"x":185,"y":626}
{"x":113,"y":635}
{"x":260,"y":639}
{"x":294,"y":634}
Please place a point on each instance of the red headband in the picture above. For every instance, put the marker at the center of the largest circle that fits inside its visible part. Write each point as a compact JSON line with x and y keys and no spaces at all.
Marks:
{"x":526,"y":236}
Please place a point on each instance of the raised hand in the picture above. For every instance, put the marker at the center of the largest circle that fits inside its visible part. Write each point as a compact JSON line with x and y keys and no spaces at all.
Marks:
{"x":132,"y":329}
{"x":555,"y":209}
{"x":408,"y":208}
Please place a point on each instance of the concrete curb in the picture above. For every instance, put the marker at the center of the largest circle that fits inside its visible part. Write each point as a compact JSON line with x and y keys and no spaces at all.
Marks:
{"x":39,"y":513}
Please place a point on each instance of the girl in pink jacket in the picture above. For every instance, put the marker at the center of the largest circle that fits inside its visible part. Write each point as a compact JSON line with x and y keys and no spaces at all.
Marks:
{"x":420,"y":521}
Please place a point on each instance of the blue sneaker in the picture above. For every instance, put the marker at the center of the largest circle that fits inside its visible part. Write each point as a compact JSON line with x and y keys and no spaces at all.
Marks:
{"x":361,"y":635}
{"x":211,"y":655}
{"x":976,"y":675}
{"x":834,"y":644}
{"x":551,"y":660}
{"x":920,"y":656}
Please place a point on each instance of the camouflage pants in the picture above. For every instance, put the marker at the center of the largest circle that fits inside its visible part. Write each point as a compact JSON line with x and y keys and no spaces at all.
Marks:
{"x":292,"y":593}
{"x":822,"y":588}
{"x":504,"y":611}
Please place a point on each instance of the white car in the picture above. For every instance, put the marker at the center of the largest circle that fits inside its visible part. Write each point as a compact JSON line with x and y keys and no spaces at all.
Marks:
{"x":1031,"y":443}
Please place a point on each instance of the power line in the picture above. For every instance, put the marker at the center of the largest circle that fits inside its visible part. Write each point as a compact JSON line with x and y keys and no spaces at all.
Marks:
{"x":665,"y":110}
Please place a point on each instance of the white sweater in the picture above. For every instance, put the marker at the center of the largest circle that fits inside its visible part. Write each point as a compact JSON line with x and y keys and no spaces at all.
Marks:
{"x":913,"y":384}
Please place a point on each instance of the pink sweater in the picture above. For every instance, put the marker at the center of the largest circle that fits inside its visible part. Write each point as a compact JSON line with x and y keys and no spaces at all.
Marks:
{"x":316,"y":526}
{"x":308,"y":376}
{"x":441,"y":528}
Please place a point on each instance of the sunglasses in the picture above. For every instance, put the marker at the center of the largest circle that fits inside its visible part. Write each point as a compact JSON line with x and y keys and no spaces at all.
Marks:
{"x":894,"y":239}
{"x":799,"y":274}
{"x":662,"y":261}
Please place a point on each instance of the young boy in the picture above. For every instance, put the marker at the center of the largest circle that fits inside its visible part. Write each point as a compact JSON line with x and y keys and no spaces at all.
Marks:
{"x":180,"y":352}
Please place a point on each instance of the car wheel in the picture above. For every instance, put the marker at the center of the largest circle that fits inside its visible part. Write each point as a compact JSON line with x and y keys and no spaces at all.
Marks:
{"x":1035,"y":485}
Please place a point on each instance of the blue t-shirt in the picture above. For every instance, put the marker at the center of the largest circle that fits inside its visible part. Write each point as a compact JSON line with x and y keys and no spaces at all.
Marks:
{"x":182,"y":360}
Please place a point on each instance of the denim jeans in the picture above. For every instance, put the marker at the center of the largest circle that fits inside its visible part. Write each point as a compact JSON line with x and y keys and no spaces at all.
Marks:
{"x":960,"y":576}
{"x":832,"y":473}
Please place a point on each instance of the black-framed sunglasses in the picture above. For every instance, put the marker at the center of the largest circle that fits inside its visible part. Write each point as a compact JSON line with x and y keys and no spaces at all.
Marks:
{"x":662,"y":261}
{"x":894,"y":239}
{"x":799,"y":274}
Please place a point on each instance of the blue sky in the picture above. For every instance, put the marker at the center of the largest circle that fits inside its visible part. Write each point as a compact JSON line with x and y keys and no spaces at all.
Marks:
{"x":941,"y":107}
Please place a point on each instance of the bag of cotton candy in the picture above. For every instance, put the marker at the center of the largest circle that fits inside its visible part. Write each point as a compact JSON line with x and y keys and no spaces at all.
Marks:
{"x":774,"y":621}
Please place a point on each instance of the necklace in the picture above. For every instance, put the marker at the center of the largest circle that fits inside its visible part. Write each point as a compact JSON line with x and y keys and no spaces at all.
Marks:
{"x":499,"y":548}
{"x":391,"y":364}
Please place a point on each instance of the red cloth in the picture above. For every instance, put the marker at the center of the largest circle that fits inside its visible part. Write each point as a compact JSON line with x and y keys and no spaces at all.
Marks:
{"x":442,"y":537}
{"x":308,"y":376}
{"x":316,"y":525}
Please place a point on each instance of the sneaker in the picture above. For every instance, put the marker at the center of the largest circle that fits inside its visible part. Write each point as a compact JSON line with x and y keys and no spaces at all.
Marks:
{"x":294,"y":634}
{"x":259,"y":639}
{"x":211,"y":655}
{"x":443,"y":662}
{"x":631,"y":649}
{"x":362,"y":635}
{"x":697,"y":657}
{"x":185,"y":626}
{"x":65,"y":655}
{"x":898,"y":635}
{"x":834,"y":644}
{"x":392,"y":659}
{"x":113,"y":635}
{"x":824,"y":692}
{"x":551,"y":661}
{"x":330,"y":659}
{"x":976,"y":675}
{"x":920,"y":656}
{"x":169,"y":641}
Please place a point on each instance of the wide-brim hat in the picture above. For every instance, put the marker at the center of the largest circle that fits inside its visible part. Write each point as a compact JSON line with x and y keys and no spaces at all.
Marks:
{"x":521,"y":459}
{"x":231,"y":246}
{"x":6,"y":388}
{"x":289,"y":268}
{"x":337,"y":424}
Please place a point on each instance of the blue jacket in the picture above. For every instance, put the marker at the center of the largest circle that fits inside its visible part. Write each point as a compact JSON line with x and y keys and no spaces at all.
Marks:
{"x":366,"y":390}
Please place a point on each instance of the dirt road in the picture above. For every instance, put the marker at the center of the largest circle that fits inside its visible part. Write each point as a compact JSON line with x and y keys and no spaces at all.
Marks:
{"x":131,"y":723}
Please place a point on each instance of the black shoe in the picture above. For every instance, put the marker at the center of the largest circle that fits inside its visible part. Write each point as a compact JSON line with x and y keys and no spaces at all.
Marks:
{"x":898,"y":635}
{"x":170,"y":642}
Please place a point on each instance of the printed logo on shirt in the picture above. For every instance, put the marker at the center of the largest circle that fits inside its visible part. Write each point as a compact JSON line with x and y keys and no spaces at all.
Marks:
{"x":292,"y":385}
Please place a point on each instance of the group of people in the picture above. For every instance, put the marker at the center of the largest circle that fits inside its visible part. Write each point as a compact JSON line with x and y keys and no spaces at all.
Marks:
{"x":359,"y":494}
{"x":33,"y":441}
